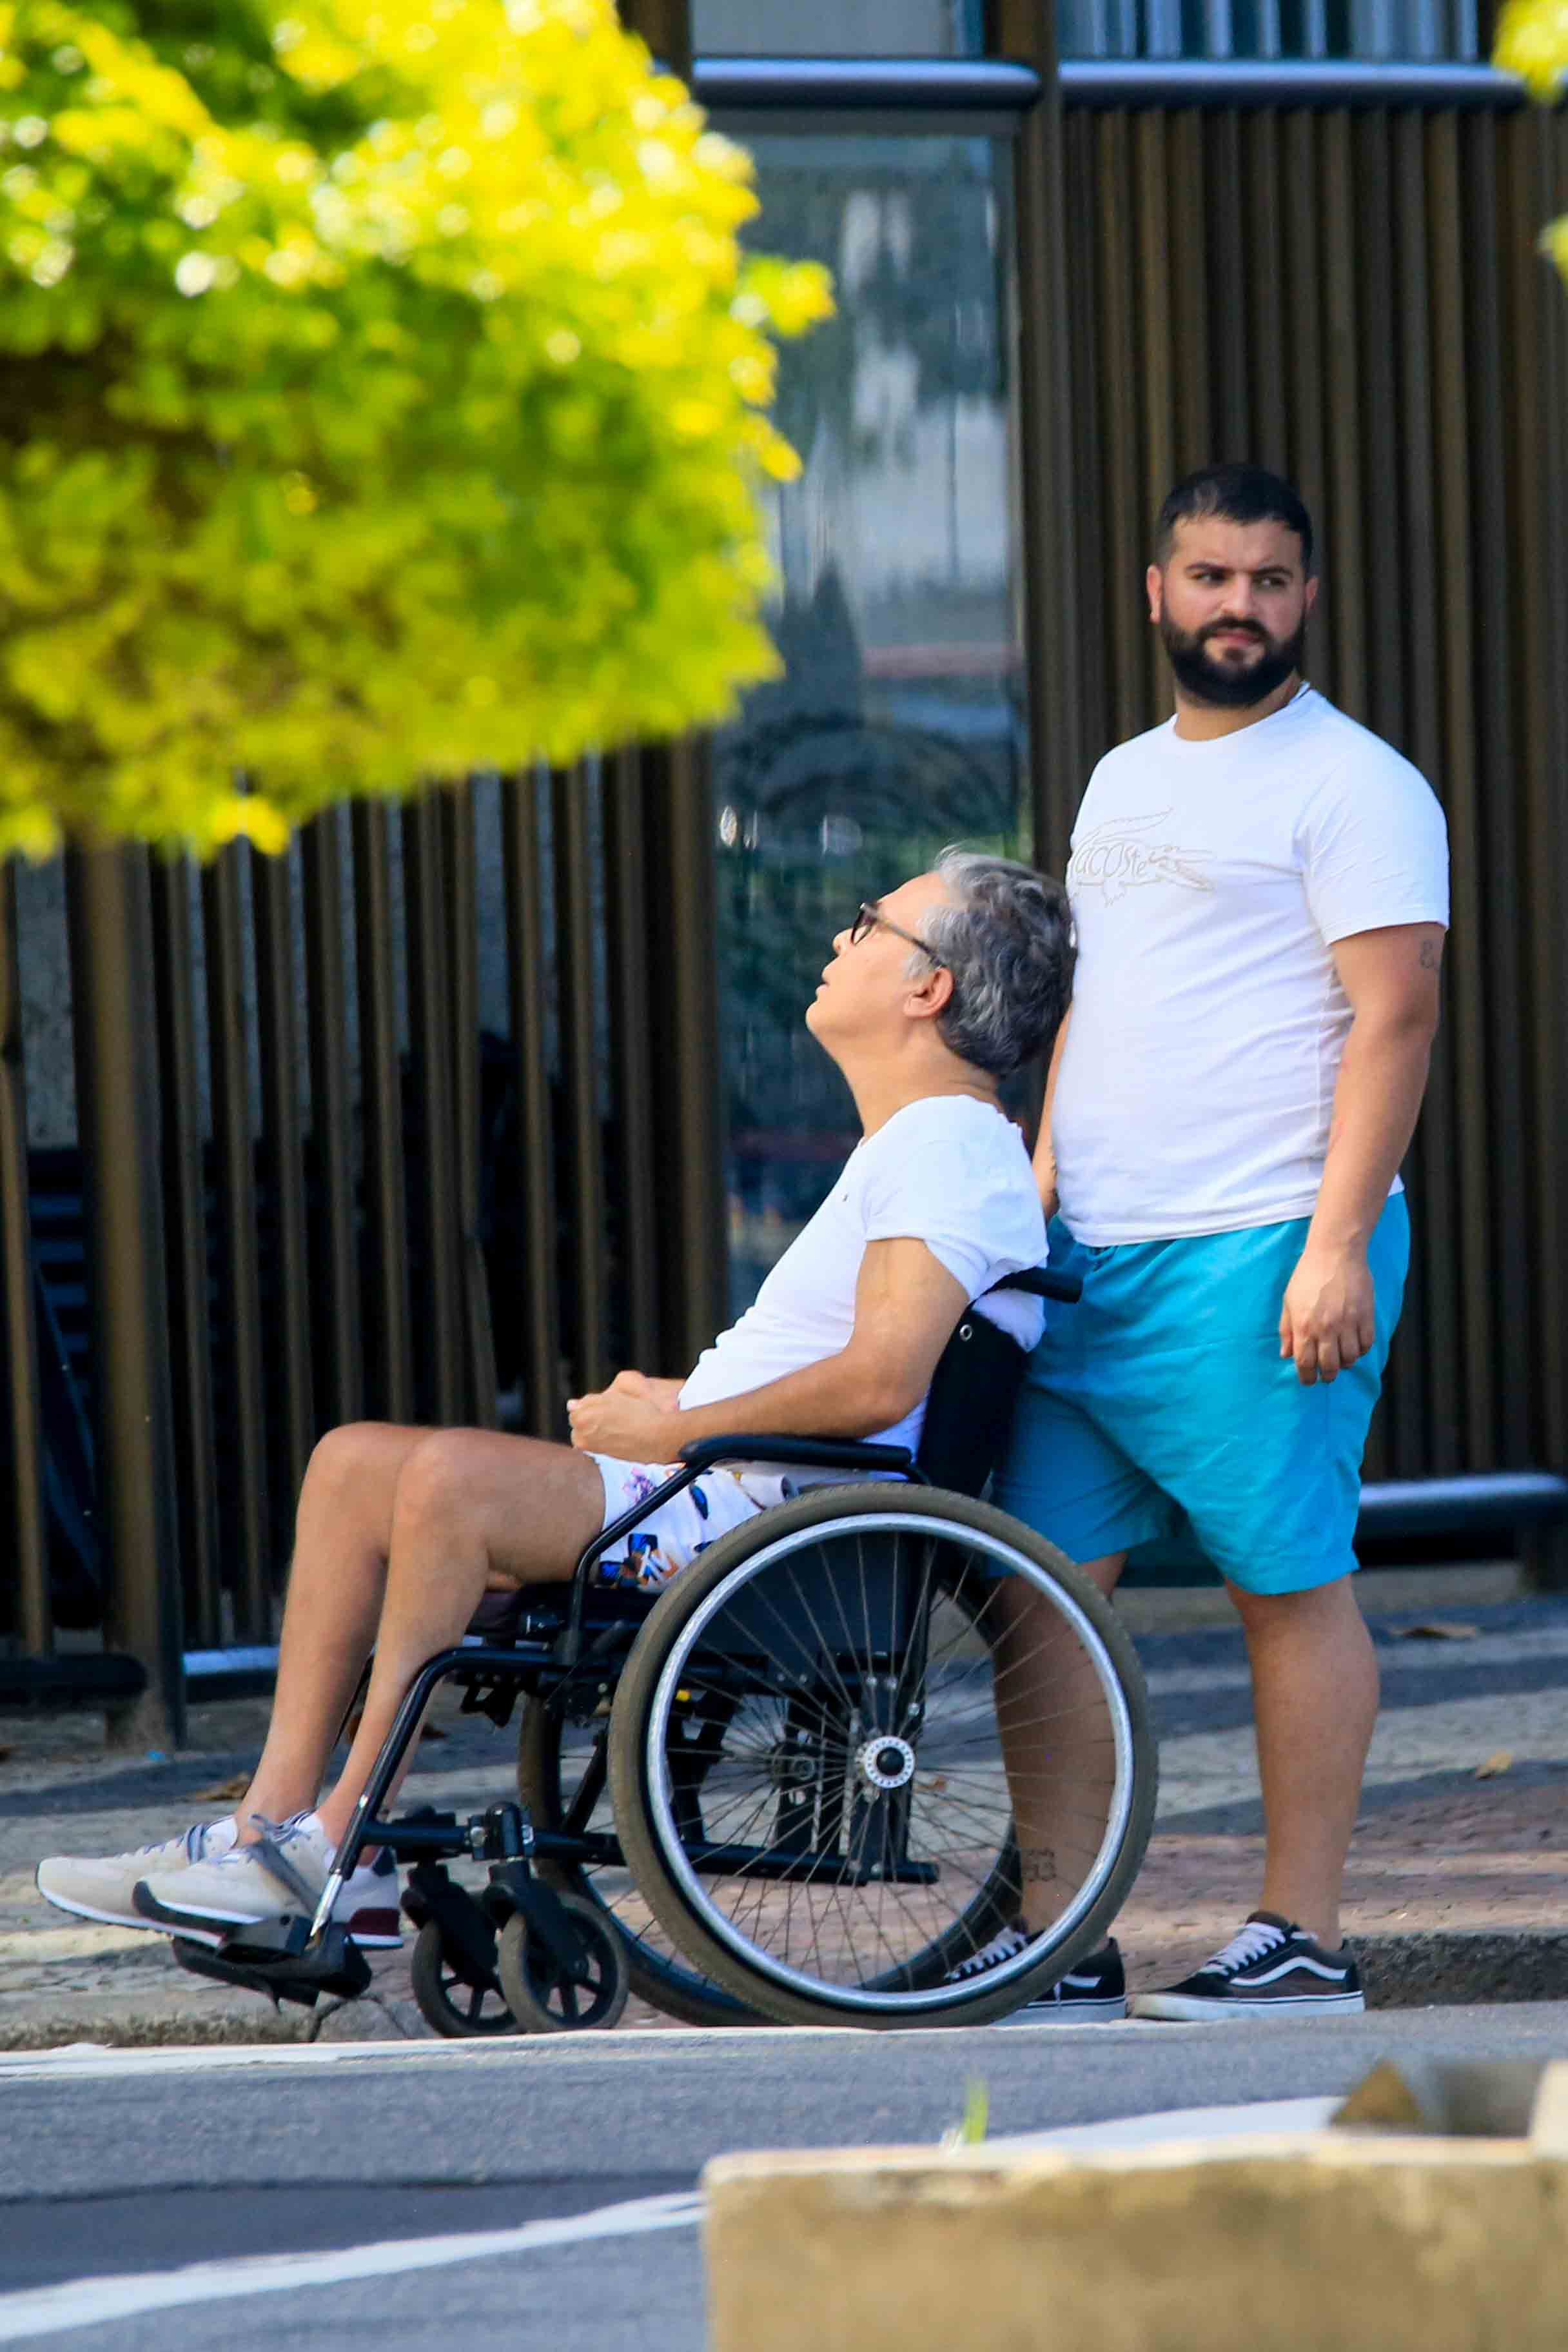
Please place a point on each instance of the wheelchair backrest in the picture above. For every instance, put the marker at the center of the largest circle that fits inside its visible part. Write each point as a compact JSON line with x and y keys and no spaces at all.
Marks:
{"x":968,"y":1410}
{"x":970,"y":1406}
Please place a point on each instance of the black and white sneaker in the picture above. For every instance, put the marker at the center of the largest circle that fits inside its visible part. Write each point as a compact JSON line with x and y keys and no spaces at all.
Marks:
{"x":1096,"y":1988}
{"x":1271,"y":1968}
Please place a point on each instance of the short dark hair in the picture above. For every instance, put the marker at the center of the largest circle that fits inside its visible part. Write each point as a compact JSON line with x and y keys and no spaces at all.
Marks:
{"x":1236,"y":494}
{"x":1006,"y":936}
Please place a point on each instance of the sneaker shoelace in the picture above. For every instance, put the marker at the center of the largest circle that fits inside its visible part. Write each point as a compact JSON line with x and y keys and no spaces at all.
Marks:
{"x":1250,"y":1943}
{"x":193,"y":1839}
{"x":270,"y":1850}
{"x":1005,"y":1947}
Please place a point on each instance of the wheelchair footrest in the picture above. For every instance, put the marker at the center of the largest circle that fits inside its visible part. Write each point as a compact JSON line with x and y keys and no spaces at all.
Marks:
{"x":802,"y":1868}
{"x":275,"y":1958}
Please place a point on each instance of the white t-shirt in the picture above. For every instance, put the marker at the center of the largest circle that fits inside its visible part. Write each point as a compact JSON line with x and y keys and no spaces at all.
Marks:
{"x":949,"y":1172}
{"x":1210,"y":881}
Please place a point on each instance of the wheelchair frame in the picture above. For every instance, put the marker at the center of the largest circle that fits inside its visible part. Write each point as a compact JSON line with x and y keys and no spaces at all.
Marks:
{"x":300,"y":1959}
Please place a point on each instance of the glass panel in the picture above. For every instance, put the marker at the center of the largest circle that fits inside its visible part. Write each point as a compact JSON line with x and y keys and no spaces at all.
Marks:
{"x":897,"y":725}
{"x":837,"y":29}
{"x":1387,"y":31}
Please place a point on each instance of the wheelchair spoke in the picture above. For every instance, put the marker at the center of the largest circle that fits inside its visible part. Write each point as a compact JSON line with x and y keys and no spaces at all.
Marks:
{"x":589,"y":1789}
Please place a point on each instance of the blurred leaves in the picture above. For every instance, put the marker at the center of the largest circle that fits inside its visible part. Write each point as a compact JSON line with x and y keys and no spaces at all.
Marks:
{"x":384,"y":394}
{"x":1533,"y":42}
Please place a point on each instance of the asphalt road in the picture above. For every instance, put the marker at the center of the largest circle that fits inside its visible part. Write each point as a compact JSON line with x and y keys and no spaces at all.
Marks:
{"x":118,"y":2165}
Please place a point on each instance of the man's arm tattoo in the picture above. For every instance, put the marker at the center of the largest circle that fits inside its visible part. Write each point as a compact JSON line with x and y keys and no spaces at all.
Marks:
{"x":1431,"y":955}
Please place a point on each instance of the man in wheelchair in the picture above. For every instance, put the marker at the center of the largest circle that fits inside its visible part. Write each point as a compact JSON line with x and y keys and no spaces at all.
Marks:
{"x":932,"y":996}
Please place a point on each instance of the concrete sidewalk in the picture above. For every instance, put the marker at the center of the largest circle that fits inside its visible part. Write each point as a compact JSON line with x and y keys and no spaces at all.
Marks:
{"x":1459,"y":1885}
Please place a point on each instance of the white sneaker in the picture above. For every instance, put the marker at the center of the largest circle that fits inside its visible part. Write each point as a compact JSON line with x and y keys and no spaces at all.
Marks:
{"x":280,"y":1875}
{"x":103,"y":1889}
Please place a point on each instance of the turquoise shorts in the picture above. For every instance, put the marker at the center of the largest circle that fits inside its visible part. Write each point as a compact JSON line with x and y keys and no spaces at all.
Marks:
{"x":1158,"y":1406}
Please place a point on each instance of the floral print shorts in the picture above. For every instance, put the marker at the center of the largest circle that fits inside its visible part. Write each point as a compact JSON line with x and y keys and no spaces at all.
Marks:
{"x":671,"y":1537}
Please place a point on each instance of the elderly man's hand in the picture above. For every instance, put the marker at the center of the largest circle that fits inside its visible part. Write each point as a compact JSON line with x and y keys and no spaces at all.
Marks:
{"x":1329,"y":1320}
{"x":633,"y":1419}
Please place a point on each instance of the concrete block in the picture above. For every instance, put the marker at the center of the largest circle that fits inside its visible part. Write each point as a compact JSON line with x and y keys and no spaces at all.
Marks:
{"x":1549,"y":2112}
{"x":1463,"y":2099}
{"x":1329,"y":2241}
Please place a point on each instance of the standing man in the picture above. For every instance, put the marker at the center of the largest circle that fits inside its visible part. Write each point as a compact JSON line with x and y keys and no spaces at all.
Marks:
{"x":1260,"y":893}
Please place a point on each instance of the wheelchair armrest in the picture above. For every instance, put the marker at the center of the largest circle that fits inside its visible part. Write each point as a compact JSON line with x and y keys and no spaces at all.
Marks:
{"x":1041,"y":1283}
{"x":821,"y":1453}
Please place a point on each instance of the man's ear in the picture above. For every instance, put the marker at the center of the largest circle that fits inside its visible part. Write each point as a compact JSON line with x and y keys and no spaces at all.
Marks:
{"x":1312,"y":597}
{"x":1155,"y":582}
{"x":930,"y":996}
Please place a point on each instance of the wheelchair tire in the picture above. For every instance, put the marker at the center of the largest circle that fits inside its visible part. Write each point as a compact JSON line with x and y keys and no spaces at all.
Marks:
{"x":657,"y":1971}
{"x":450,"y":2003}
{"x":540,"y":1997}
{"x":754,"y":1614}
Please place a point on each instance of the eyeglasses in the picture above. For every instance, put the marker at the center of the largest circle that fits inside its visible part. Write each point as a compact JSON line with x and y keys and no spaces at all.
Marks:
{"x":871,"y":918}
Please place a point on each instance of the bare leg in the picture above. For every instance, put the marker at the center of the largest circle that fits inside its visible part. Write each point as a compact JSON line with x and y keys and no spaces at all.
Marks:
{"x":342,"y":1532}
{"x":474,"y":1511}
{"x":1055,"y":1735}
{"x":1314,"y":1696}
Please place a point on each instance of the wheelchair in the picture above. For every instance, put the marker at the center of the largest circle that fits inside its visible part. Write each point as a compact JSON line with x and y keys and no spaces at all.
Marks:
{"x":802,"y":1783}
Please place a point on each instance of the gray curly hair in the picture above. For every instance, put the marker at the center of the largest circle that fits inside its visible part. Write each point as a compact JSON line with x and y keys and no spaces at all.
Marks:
{"x":1007,"y":938}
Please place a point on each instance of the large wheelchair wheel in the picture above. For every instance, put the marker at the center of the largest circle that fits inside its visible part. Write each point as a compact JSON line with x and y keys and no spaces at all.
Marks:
{"x":562,"y":1778}
{"x":932,"y":1723}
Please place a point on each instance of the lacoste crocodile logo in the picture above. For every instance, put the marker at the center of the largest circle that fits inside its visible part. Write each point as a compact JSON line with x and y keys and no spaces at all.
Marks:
{"x":1111,"y":859}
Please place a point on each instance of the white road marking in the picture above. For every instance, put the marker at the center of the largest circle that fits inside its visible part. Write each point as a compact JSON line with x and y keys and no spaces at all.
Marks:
{"x":80,"y":2060}
{"x":94,"y":2303}
{"x":1261,"y":2118}
{"x":86,"y":2061}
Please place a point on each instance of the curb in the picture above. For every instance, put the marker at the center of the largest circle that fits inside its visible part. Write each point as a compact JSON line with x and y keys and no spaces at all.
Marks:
{"x":1461,"y":1967}
{"x":146,"y":2025}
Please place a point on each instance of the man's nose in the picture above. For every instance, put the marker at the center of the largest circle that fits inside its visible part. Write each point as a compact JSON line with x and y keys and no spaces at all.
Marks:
{"x":840,"y":941}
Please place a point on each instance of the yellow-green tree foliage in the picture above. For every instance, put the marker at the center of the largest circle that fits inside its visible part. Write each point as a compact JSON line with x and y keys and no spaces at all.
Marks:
{"x":1533,"y":42}
{"x":383,"y":394}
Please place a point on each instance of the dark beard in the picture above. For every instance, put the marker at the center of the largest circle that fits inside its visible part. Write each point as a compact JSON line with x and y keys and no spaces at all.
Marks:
{"x":1229,"y":689}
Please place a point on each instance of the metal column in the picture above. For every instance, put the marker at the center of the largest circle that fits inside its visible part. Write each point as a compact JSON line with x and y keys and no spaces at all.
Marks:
{"x":115,"y":1022}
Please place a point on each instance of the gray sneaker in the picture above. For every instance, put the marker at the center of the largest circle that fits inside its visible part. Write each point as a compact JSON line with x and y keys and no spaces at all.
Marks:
{"x":284,"y":1872}
{"x":101,"y":1889}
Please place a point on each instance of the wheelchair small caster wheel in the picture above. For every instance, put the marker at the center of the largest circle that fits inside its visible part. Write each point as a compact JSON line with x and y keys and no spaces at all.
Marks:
{"x":542,"y":1998}
{"x":449,"y":1999}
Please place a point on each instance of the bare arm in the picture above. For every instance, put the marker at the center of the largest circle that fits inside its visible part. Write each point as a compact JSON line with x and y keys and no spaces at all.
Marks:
{"x":907,"y":1305}
{"x":653,"y":1388}
{"x":1391,"y":978}
{"x":1044,"y":1150}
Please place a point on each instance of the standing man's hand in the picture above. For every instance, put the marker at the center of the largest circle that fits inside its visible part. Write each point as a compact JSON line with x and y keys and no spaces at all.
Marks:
{"x":1329,"y":1320}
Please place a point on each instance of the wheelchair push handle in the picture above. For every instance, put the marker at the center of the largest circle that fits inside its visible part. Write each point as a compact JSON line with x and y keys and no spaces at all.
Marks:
{"x":1039,"y":1282}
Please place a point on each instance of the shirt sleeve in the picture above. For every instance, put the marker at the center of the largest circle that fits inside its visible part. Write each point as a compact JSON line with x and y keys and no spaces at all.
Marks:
{"x":968,"y":1206}
{"x":1374,"y":850}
